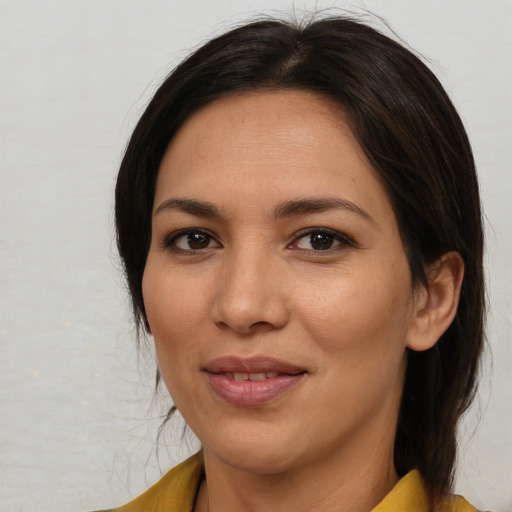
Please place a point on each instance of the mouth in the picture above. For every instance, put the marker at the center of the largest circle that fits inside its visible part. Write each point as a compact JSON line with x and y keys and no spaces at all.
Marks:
{"x":251,"y":381}
{"x":252,"y":366}
{"x":253,"y":376}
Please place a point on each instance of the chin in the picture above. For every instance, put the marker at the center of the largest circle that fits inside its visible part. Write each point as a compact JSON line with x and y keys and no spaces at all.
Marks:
{"x":256,"y":460}
{"x":257,"y":450}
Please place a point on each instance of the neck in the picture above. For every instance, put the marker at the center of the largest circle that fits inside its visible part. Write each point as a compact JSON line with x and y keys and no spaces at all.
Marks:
{"x":353,"y":480}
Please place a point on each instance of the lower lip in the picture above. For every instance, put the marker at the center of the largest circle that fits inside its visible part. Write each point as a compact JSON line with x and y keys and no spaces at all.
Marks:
{"x":248,"y":392}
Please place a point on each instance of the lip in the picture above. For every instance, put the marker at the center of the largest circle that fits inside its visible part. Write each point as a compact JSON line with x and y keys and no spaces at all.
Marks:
{"x":253,"y":364}
{"x":251,"y":392}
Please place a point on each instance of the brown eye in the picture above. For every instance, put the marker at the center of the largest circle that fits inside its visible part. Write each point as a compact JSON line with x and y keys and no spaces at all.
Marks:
{"x":190,"y":241}
{"x":321,"y":240}
{"x":198,"y":241}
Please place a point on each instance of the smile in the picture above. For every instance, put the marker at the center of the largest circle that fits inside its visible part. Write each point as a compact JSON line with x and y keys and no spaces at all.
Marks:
{"x":253,"y":381}
{"x":256,"y":376}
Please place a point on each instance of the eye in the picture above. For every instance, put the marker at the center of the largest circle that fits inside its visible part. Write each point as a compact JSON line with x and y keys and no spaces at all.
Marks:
{"x":191,"y":241}
{"x":320,"y":240}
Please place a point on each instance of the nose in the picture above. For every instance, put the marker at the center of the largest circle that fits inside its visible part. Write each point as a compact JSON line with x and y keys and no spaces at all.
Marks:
{"x":250,"y":294}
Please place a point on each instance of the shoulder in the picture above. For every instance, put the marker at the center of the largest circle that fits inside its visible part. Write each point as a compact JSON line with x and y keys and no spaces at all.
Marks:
{"x":175,"y":492}
{"x":456,"y":503}
{"x":410,"y":494}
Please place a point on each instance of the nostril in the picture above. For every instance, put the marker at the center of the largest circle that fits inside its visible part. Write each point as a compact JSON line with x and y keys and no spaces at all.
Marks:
{"x":245,"y":329}
{"x":261,"y":323}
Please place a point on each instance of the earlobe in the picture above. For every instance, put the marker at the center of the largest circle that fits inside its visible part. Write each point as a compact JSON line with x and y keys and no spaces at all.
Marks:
{"x":436,"y":306}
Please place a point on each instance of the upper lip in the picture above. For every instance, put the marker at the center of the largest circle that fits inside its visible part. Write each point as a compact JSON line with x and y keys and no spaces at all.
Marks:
{"x":255,"y":364}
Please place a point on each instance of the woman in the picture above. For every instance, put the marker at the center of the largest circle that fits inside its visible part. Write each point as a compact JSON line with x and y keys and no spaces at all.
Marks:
{"x":299,"y":219}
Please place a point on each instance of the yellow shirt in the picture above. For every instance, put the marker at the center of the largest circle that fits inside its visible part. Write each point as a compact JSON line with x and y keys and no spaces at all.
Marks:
{"x":176,"y":492}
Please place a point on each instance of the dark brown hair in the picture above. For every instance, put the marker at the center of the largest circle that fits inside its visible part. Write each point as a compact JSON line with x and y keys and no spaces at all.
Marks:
{"x":413,"y":136}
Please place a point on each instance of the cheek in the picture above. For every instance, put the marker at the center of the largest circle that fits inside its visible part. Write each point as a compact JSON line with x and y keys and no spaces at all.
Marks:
{"x":360,"y":315}
{"x":174,"y":313}
{"x":174,"y":305}
{"x":174,"y":330}
{"x":359,"y":331}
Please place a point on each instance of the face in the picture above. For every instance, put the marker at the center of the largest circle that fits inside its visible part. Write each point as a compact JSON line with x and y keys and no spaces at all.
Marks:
{"x":276,"y":285}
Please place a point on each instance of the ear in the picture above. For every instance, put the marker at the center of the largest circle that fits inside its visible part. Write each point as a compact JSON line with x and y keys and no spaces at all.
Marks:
{"x":436,"y":305}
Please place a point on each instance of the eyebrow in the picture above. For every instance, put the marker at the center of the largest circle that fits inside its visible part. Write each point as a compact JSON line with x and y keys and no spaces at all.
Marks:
{"x":314,"y":204}
{"x":286,"y":209}
{"x":192,"y":206}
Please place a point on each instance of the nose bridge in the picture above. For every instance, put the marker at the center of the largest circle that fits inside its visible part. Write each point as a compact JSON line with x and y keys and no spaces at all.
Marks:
{"x":248,"y":292}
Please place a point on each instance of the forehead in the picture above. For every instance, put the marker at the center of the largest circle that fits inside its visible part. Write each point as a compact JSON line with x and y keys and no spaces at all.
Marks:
{"x":262,"y":117}
{"x":272,"y":146}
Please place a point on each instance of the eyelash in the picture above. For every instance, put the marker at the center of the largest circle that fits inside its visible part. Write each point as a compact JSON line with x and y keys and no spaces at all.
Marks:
{"x":343,"y":240}
{"x":170,"y":241}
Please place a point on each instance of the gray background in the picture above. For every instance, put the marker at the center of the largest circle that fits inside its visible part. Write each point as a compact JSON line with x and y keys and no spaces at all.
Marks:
{"x":77,"y":416}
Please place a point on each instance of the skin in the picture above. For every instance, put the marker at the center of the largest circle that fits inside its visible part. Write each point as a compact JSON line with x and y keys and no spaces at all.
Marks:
{"x":257,"y":286}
